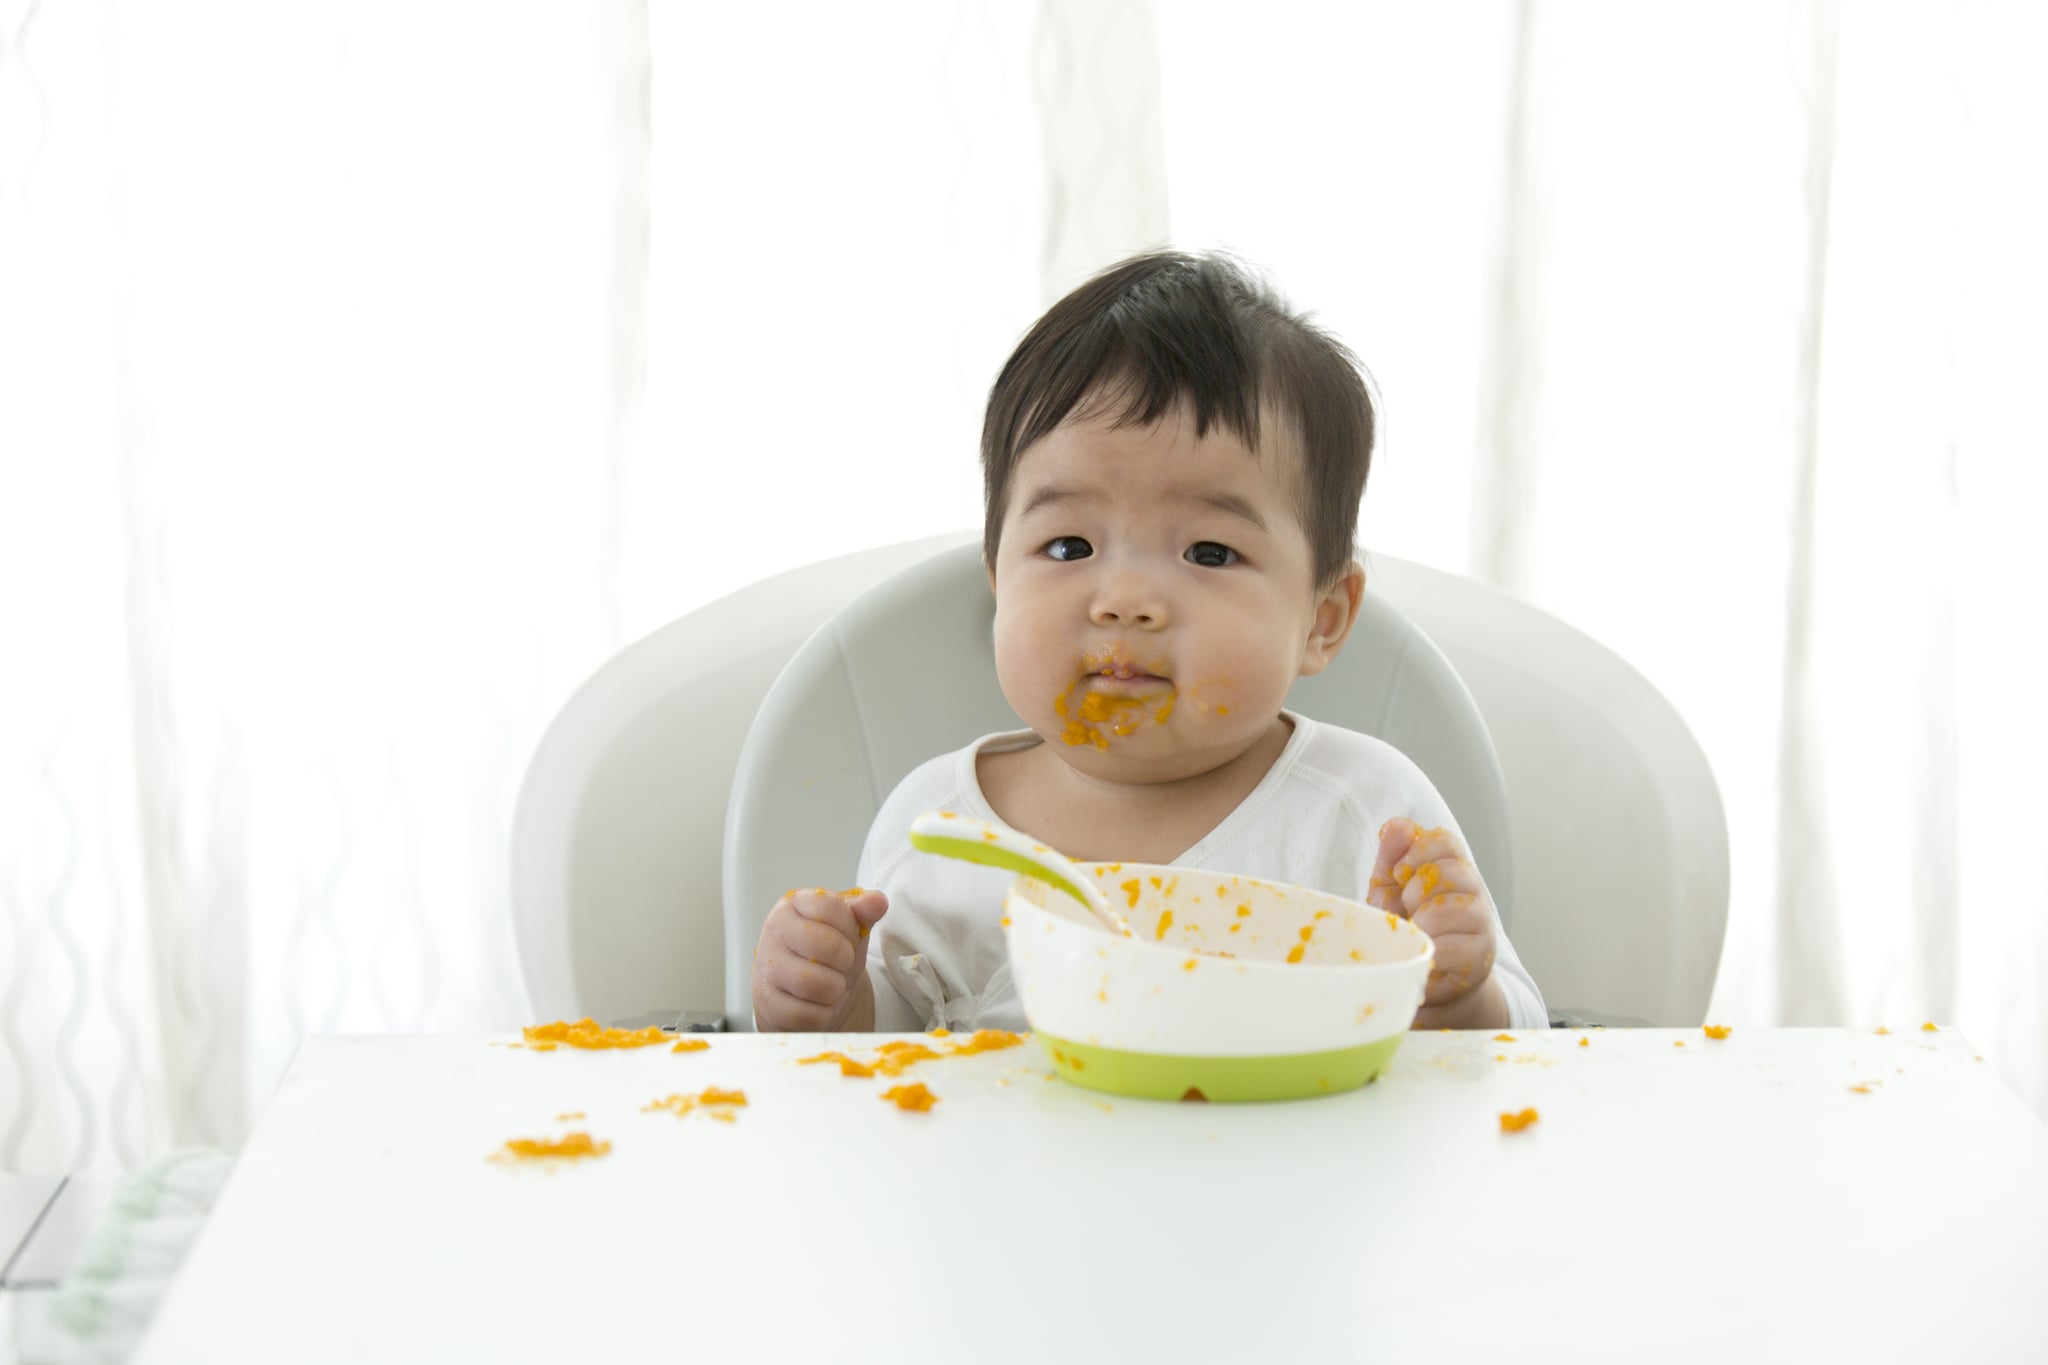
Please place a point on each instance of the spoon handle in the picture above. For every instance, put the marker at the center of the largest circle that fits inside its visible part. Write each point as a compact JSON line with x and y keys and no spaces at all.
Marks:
{"x":976,"y":841}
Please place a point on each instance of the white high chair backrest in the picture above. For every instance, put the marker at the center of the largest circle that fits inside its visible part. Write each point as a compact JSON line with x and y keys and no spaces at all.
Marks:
{"x":619,"y":836}
{"x":906,"y":671}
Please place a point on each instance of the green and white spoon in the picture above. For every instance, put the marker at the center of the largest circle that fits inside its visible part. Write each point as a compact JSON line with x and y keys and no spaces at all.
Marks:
{"x":977,"y":841}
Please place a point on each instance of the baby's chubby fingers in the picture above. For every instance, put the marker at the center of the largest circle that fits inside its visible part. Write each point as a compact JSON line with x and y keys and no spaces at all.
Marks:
{"x":1461,"y":927}
{"x":813,"y":951}
{"x":1384,"y":892}
{"x":851,"y":914}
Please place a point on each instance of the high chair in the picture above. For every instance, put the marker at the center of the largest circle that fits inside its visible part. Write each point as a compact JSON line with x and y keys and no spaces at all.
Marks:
{"x":744,"y":749}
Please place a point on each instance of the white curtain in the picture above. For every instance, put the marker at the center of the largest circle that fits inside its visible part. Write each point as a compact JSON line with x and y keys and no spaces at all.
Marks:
{"x":369,"y":373}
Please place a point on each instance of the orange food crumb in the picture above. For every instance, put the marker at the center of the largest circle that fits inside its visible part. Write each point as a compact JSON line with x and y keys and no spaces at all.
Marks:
{"x":1679,"y":1043}
{"x":1188,"y":966}
{"x":1194,"y":1095}
{"x":1585,"y":1042}
{"x":1165,"y":920}
{"x":690,"y":1045}
{"x":1244,"y":912}
{"x":719,"y":1104}
{"x":1716,"y":1031}
{"x":942,"y":1033}
{"x":588,"y":1033}
{"x":899,"y":1056}
{"x":1503,"y":1037}
{"x":1860,"y":1089}
{"x":564,"y":1118}
{"x":1294,"y":953}
{"x":1403,"y":873}
{"x":1929,"y":1027}
{"x":847,"y":1065}
{"x":1515,"y":1123}
{"x":913,"y":1097}
{"x":1131,"y":889}
{"x":987,"y":1040}
{"x":567,"y":1148}
{"x":1882,"y":1029}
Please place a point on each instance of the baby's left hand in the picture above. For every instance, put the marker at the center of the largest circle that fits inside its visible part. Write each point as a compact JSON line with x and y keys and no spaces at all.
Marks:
{"x":1426,"y":876}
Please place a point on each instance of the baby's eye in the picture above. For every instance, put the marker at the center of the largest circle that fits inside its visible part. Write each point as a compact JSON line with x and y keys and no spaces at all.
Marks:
{"x":1210,"y":555}
{"x":1064,"y":548}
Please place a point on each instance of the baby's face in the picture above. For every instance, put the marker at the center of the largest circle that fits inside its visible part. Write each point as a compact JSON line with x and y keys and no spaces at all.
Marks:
{"x":1153,"y":596}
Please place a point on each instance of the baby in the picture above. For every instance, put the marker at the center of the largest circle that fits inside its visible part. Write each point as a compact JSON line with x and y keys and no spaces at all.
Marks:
{"x":1173,"y":463}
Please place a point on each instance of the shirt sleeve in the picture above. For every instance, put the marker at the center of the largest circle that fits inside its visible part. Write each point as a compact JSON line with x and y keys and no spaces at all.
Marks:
{"x":893,"y":1011}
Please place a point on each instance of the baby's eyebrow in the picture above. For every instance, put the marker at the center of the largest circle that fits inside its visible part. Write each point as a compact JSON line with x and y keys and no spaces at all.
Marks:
{"x":1221,"y":499}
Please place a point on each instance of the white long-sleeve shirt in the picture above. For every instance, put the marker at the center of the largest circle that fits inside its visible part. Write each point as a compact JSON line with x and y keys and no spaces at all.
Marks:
{"x":938,"y":957}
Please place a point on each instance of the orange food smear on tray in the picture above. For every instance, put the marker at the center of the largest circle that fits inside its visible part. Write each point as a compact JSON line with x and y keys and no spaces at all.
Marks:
{"x":1515,"y":1123}
{"x":690,"y":1045}
{"x":719,"y":1104}
{"x":913,"y":1097}
{"x":1716,"y":1031}
{"x":588,"y":1033}
{"x":848,"y":1066}
{"x":893,"y":1058}
{"x":569,"y":1147}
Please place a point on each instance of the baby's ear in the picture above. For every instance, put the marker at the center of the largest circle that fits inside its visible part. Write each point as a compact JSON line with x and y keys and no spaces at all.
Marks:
{"x":1336,"y":613}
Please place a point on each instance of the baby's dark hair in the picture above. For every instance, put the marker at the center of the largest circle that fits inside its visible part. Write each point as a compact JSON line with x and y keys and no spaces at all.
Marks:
{"x":1170,"y":327}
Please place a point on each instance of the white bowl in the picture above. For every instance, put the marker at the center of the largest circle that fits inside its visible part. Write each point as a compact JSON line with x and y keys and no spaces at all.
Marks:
{"x":1218,"y":994}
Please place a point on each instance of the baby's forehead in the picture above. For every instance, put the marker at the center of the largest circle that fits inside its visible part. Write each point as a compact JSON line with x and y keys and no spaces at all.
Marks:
{"x":1097,"y":437}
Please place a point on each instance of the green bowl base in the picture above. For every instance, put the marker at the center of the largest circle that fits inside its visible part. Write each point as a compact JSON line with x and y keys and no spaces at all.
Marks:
{"x":1157,"y":1076}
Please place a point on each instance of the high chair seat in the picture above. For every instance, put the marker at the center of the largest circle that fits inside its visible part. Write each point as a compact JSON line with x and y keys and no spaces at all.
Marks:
{"x":744,"y":749}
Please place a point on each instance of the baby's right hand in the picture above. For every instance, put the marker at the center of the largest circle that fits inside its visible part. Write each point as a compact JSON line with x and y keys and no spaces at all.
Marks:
{"x":811,"y":968}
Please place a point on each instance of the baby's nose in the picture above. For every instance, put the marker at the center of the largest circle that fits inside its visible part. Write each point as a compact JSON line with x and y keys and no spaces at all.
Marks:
{"x":1128,"y":600}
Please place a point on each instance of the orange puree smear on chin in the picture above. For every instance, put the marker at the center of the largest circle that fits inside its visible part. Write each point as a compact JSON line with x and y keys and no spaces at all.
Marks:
{"x":588,"y":1033}
{"x":567,"y":1148}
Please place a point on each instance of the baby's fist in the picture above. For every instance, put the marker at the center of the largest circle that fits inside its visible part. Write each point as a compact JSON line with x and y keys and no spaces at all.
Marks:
{"x":1426,"y":876}
{"x":810,"y":970}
